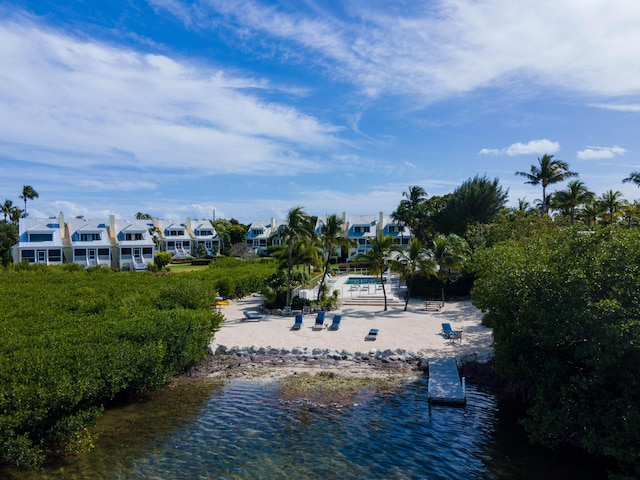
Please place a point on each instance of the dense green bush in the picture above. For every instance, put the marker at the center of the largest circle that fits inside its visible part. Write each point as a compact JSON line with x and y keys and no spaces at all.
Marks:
{"x":566,"y":324}
{"x":71,"y":341}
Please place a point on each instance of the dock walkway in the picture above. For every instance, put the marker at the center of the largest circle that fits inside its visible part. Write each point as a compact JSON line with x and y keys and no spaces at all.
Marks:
{"x":445,"y":386}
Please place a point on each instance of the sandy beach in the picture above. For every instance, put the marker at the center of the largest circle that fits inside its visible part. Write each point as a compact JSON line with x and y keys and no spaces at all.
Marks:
{"x":417,"y":330}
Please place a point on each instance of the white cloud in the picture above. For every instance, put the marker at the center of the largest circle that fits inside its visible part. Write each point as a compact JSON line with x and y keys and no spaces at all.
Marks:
{"x":530,"y":148}
{"x":82,"y":103}
{"x":597,"y":153}
{"x":434,"y":50}
{"x":631,"y":107}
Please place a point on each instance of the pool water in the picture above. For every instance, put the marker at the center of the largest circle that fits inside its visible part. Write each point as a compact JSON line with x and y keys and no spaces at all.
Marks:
{"x":361,"y":280}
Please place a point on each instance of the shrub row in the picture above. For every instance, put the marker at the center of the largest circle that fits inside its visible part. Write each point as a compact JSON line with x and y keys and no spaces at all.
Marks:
{"x":74,"y":340}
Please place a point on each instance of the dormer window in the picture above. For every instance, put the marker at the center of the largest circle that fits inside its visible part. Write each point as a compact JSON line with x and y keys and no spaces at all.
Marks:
{"x":89,"y":237}
{"x":41,"y":237}
{"x":133,"y":236}
{"x":176,"y":232}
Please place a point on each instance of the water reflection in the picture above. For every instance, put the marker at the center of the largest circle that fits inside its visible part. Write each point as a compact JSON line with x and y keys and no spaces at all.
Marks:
{"x":243,"y":430}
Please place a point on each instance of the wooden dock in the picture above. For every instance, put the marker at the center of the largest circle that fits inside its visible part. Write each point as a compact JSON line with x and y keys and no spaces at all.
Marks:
{"x":445,"y":386}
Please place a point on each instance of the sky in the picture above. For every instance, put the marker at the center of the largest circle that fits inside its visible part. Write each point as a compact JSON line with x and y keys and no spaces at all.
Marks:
{"x":247,"y":108}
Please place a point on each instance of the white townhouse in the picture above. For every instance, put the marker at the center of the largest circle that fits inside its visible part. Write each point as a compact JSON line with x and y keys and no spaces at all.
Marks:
{"x":401,"y":234}
{"x":90,"y":242}
{"x":204,"y":234}
{"x":260,"y":231}
{"x":173,"y":238}
{"x":135,"y":248}
{"x":362,"y":228}
{"x":42,"y":241}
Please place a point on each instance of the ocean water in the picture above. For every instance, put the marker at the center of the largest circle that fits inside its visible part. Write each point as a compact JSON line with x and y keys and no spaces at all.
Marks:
{"x":243,"y":430}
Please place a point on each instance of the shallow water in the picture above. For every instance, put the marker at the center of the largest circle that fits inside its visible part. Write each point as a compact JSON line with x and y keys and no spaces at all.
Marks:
{"x":242,"y":430}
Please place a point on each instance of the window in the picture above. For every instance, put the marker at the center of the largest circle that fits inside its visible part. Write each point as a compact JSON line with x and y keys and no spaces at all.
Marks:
{"x":147,"y":251}
{"x":133,"y":236}
{"x":171,"y":245}
{"x":366,"y":229}
{"x":126,"y":252}
{"x":257,"y":231}
{"x":29,"y":255}
{"x":357,"y":229}
{"x":80,"y":253}
{"x":40,"y":237}
{"x":55,"y":255}
{"x":89,"y":237}
{"x":103,"y":252}
{"x":176,"y":233}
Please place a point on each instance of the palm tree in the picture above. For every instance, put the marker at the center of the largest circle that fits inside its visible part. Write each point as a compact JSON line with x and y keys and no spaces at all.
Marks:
{"x":450,"y":253}
{"x":378,"y":258}
{"x":548,"y":171}
{"x":610,"y":202}
{"x":410,"y":261}
{"x":7,"y":209}
{"x":28,"y":193}
{"x":331,"y":236}
{"x":411,"y":212}
{"x":634,"y":177}
{"x":296,"y":227}
{"x":575,"y":195}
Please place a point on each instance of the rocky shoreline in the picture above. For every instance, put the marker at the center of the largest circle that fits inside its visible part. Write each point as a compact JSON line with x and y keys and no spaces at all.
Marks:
{"x":275,"y":363}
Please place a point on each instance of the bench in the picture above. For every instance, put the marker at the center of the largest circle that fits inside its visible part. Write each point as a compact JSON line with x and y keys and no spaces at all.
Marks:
{"x":434,"y":306}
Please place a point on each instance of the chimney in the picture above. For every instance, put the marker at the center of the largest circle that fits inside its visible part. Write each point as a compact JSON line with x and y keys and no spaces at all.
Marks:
{"x":112,"y":227}
{"x":273,"y":224}
{"x":187,"y":226}
{"x":380,"y":225}
{"x":345,"y":226}
{"x":61,"y":225}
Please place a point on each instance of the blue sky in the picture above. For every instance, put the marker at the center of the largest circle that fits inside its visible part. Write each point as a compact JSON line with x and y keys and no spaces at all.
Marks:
{"x":251,"y":107}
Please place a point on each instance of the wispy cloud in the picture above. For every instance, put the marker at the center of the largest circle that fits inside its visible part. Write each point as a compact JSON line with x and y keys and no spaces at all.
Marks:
{"x":597,"y":153}
{"x":631,"y":107}
{"x":81,"y":103}
{"x":532,"y":147}
{"x":437,"y":49}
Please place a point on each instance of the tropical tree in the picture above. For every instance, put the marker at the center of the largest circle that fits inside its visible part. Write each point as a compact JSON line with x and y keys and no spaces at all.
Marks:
{"x":547,"y":172}
{"x":631,"y":213}
{"x":412,"y":212}
{"x":590,"y":213}
{"x":296,"y":227}
{"x":7,"y":208}
{"x":142,"y":216}
{"x":331,"y":236}
{"x":477,"y":200}
{"x":572,"y":197}
{"x":610,"y":203}
{"x":450,"y":254}
{"x":29,"y":193}
{"x":634,"y":177}
{"x":378,"y":258}
{"x":408,"y":262}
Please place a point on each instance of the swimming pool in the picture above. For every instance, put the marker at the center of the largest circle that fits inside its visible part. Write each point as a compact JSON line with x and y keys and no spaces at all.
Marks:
{"x":361,"y":280}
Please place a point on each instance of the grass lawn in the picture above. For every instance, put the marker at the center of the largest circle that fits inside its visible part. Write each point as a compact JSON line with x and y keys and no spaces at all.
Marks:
{"x":185,"y":267}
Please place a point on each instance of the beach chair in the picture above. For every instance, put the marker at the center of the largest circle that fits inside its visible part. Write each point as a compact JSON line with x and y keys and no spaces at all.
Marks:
{"x":447,"y":330}
{"x":252,"y":316}
{"x":450,"y":333}
{"x":335,"y":324}
{"x":306,"y":310}
{"x":298,"y":322}
{"x":372,"y":335}
{"x":319,"y":321}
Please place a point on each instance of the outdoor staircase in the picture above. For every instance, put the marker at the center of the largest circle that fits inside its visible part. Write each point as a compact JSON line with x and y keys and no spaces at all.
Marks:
{"x":373,"y":300}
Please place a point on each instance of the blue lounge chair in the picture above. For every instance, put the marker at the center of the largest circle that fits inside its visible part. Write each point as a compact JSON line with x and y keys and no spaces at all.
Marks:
{"x":447,"y":330}
{"x":372,"y":335}
{"x":298,"y":323}
{"x":450,"y":333}
{"x":252,"y":316}
{"x":335,"y":324}
{"x":319,"y":321}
